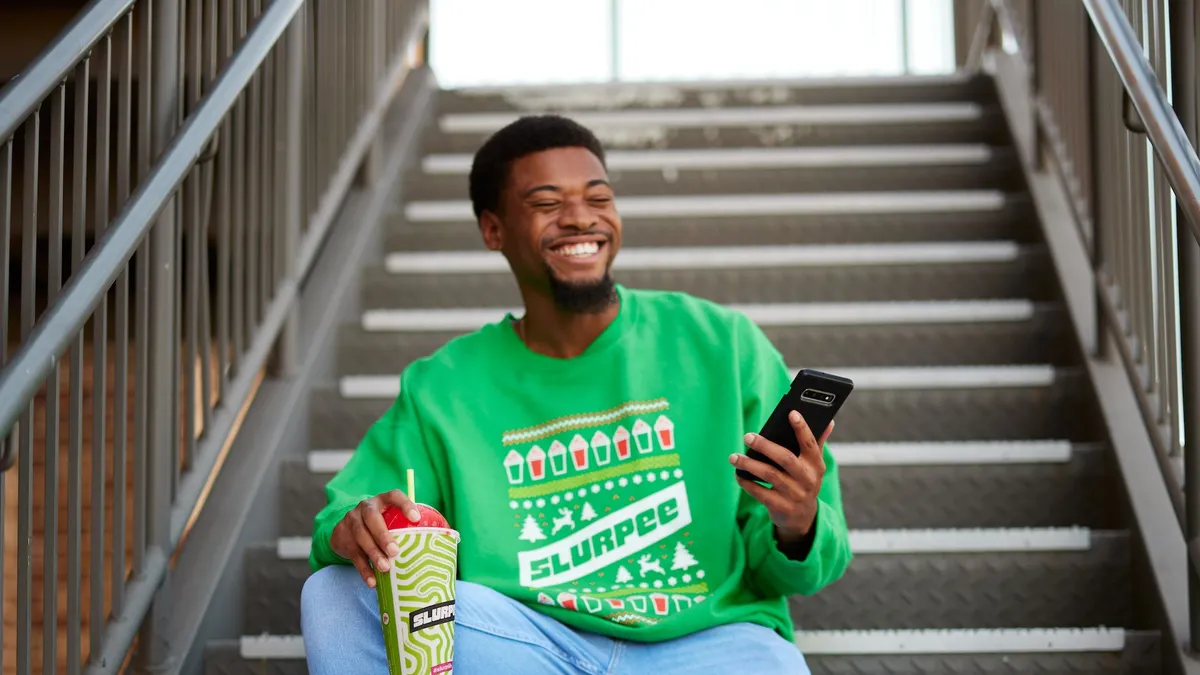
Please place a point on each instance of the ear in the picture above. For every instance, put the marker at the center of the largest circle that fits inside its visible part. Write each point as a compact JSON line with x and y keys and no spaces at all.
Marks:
{"x":492,"y":230}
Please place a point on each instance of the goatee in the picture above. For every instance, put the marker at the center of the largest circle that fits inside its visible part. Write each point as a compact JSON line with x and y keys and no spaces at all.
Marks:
{"x":589,"y":297}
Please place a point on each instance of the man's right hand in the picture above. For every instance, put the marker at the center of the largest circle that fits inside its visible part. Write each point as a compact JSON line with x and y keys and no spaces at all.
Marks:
{"x":362,"y":536}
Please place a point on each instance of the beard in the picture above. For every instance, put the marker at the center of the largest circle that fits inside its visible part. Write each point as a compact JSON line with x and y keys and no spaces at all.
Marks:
{"x":588,"y":297}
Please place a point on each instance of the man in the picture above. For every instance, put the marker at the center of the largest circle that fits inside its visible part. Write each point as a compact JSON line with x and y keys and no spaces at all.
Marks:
{"x":583,"y":453}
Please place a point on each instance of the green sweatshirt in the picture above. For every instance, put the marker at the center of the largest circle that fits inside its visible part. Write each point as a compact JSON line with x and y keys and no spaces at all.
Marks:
{"x":598,"y":489}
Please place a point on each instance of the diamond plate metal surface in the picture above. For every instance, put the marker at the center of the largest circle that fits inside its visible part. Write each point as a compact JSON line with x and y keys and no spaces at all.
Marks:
{"x":966,"y":496}
{"x":1029,"y":276}
{"x":223,"y":658}
{"x":1014,"y":221}
{"x":989,"y":128}
{"x":1045,"y":338}
{"x":272,"y":601}
{"x":991,"y":590}
{"x":884,"y":497}
{"x":988,"y":664}
{"x":626,"y":97}
{"x":1001,"y":172}
{"x":1063,"y":409}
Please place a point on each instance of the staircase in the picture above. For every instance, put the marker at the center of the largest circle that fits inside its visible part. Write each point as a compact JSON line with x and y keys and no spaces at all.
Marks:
{"x":877,"y":229}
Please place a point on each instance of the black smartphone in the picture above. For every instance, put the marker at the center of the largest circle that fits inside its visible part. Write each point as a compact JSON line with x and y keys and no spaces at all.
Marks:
{"x":817,"y":396}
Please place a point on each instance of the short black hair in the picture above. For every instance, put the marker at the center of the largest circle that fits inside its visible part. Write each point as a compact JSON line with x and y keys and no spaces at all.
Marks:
{"x":527,"y":135}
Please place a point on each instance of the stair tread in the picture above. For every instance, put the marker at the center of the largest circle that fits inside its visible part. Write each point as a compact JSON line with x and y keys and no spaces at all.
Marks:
{"x":717,"y":93}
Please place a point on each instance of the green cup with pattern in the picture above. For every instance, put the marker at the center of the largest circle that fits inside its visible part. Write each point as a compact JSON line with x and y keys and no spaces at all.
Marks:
{"x":416,"y":601}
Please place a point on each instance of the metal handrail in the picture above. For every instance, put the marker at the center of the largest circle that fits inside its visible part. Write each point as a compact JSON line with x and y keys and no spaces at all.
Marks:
{"x":32,"y":363}
{"x":1162,"y":126}
{"x":25,"y":93}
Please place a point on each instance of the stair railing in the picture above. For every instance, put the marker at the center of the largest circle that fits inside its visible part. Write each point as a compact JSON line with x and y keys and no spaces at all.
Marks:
{"x":1111,"y":101}
{"x":184,"y":159}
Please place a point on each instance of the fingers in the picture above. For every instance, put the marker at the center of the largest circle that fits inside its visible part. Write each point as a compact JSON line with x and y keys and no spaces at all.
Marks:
{"x":808,"y":442}
{"x":779,"y":480}
{"x":398,"y":499}
{"x":364,"y":569}
{"x":377,"y":530}
{"x":773,"y":451}
{"x":812,"y":451}
{"x":775,"y":502}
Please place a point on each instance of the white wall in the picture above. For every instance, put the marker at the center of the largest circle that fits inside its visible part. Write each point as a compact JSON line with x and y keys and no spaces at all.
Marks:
{"x":498,"y":42}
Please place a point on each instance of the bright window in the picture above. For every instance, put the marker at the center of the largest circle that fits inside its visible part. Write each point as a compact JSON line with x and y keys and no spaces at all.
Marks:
{"x":490,"y":42}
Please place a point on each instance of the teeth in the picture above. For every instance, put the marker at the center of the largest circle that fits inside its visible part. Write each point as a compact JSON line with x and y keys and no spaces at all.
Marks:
{"x":579,"y":250}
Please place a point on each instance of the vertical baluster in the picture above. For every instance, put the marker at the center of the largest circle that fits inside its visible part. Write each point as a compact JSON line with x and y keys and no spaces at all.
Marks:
{"x":267,"y":217}
{"x":79,"y":144}
{"x":143,"y":270}
{"x":193,"y":241}
{"x":339,"y":70}
{"x":99,"y":354}
{"x":210,"y":74}
{"x":6,"y":155}
{"x":254,"y":177}
{"x":237,"y":243}
{"x":121,"y":308}
{"x":58,"y":122}
{"x":224,"y":216}
{"x":312,"y":103}
{"x":29,"y":234}
{"x":325,"y":97}
{"x":282,"y":148}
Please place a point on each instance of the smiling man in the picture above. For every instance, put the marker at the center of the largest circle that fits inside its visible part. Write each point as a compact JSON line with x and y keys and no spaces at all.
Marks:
{"x":586,"y":453}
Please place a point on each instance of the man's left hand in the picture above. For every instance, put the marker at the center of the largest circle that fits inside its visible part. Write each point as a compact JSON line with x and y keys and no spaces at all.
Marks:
{"x":792,"y":498}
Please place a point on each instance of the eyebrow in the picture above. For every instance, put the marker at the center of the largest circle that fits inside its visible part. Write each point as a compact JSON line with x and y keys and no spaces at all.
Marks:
{"x":554,"y":188}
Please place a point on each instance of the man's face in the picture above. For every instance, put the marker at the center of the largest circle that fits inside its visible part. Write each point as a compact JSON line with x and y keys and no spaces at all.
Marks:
{"x":558,"y":225}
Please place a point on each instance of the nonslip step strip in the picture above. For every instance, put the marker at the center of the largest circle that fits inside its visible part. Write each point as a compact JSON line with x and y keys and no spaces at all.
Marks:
{"x":851,"y":643}
{"x":527,"y":94}
{"x":938,"y":453}
{"x":960,"y":641}
{"x":942,"y":453}
{"x":682,"y":118}
{"x":804,"y":204}
{"x":759,"y":158}
{"x":732,"y":257}
{"x":869,"y":542}
{"x":766,"y":314}
{"x":865,"y":379}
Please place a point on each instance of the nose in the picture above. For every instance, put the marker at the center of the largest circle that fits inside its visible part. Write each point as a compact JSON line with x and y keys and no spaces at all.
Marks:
{"x":577,"y":215}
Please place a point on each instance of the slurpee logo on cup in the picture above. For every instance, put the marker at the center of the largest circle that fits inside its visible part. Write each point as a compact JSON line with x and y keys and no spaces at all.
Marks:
{"x":416,"y":596}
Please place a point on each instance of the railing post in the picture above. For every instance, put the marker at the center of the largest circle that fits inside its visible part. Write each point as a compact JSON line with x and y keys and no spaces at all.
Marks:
{"x":163,"y":413}
{"x":1183,"y":83}
{"x":378,"y":49}
{"x":287,"y":348}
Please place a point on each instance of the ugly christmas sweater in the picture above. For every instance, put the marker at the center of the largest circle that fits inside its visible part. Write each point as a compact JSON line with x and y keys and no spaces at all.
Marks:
{"x":597,"y":489}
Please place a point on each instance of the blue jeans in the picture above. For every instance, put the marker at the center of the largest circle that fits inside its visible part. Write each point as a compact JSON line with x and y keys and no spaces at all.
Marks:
{"x":495,"y":635}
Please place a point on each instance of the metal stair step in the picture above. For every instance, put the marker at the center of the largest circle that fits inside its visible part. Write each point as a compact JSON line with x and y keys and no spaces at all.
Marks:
{"x":769,"y":170}
{"x":646,"y":207}
{"x":1051,"y":651}
{"x":752,"y":126}
{"x":849,"y":273}
{"x":710,"y":94}
{"x":1027,"y":333}
{"x":997,"y":584}
{"x":930,"y":404}
{"x":900,"y":579}
{"x":1012,"y":219}
{"x":884,"y":485}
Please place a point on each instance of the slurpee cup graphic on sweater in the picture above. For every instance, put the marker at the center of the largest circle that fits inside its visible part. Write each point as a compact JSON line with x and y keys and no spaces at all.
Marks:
{"x":621,"y":440}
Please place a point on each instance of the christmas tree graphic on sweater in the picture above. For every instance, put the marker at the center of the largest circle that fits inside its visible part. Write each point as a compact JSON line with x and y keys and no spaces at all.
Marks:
{"x":601,"y":511}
